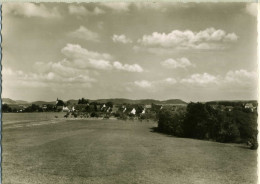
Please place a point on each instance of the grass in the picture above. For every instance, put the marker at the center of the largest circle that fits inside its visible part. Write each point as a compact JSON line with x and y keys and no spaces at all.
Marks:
{"x":117,"y":152}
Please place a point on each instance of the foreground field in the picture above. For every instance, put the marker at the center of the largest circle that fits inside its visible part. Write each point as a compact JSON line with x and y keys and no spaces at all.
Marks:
{"x":55,"y":150}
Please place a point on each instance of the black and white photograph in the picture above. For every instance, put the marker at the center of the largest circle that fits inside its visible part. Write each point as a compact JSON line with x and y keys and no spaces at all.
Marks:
{"x":136,"y":92}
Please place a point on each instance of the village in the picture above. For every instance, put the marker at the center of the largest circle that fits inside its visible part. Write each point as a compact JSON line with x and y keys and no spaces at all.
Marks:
{"x":84,"y":108}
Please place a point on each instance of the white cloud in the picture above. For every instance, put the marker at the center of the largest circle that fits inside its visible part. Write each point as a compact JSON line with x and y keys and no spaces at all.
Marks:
{"x":121,"y":39}
{"x":235,"y":79}
{"x":251,"y":9}
{"x":83,"y":58}
{"x":178,"y":63}
{"x":170,"y":80}
{"x":161,"y":6}
{"x":143,"y":84}
{"x":117,"y":6}
{"x":241,"y":76}
{"x":156,"y":84}
{"x":98,"y":11}
{"x":200,"y":79}
{"x":30,"y":10}
{"x":100,"y":64}
{"x":207,"y":39}
{"x":86,"y":34}
{"x":76,"y":51}
{"x":44,"y":78}
{"x":127,"y":67}
{"x":78,"y":10}
{"x":81,"y":10}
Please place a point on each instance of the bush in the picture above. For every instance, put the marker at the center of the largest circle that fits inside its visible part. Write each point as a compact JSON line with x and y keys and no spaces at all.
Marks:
{"x":171,"y":122}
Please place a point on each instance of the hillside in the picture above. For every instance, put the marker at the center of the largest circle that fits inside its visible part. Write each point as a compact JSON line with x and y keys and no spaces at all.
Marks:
{"x":114,"y":100}
{"x":13,"y":102}
{"x":43,"y":102}
{"x":141,"y":101}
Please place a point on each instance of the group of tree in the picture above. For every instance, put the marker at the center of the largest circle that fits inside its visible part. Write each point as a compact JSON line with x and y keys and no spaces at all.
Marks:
{"x":201,"y":121}
{"x":7,"y":108}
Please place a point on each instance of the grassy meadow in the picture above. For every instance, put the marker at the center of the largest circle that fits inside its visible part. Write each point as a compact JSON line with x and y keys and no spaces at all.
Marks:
{"x":38,"y":148}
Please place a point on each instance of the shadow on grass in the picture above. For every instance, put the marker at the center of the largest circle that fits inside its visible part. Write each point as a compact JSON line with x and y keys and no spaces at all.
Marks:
{"x":156,"y":130}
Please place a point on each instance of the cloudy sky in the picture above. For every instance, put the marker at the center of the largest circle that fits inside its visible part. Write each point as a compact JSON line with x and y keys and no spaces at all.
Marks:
{"x":190,"y":51}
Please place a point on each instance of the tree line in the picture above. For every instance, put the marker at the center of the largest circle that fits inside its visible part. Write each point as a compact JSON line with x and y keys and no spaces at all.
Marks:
{"x":201,"y":121}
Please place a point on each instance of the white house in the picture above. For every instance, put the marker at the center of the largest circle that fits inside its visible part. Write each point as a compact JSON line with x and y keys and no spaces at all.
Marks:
{"x":143,"y":112}
{"x":104,"y":106}
{"x":65,"y":109}
{"x":133,"y":111}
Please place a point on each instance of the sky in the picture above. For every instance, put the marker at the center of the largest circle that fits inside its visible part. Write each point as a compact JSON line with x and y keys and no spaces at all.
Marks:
{"x":188,"y":51}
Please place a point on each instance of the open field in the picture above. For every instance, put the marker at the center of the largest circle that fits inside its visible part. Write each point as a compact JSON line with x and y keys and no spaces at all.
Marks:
{"x":44,"y":149}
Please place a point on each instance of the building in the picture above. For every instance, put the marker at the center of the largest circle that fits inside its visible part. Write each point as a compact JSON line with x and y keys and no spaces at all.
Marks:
{"x":133,"y":111}
{"x":250,"y":106}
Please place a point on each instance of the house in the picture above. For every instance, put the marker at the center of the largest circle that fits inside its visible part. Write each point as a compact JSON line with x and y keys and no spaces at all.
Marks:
{"x":65,"y":109}
{"x":133,"y":111}
{"x":103,"y":107}
{"x":143,"y":112}
{"x":249,"y":106}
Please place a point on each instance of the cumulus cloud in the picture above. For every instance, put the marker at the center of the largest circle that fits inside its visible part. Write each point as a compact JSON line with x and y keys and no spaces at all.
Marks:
{"x":169,"y":81}
{"x":75,"y":68}
{"x":81,"y":10}
{"x":237,"y":79}
{"x":84,"y":33}
{"x":155,"y":83}
{"x":100,"y":64}
{"x":121,"y":39}
{"x":30,"y":10}
{"x":83,"y":58}
{"x":116,"y":6}
{"x":158,"y":6}
{"x":78,"y":52}
{"x":143,"y":83}
{"x":201,"y":79}
{"x":207,"y":39}
{"x":127,"y":67}
{"x":44,"y":78}
{"x":241,"y":76}
{"x":178,"y":63}
{"x":251,"y":9}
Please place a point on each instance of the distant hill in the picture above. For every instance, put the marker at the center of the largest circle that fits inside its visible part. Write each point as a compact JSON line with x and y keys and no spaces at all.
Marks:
{"x":73,"y":101}
{"x":235,"y":101}
{"x":8,"y":101}
{"x":21,"y":102}
{"x":13,"y":102}
{"x":141,"y":101}
{"x":114,"y":100}
{"x":43,"y":102}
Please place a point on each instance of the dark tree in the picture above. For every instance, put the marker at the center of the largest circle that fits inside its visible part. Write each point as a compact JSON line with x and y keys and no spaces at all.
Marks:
{"x":83,"y":101}
{"x":60,"y":103}
{"x":6,"y":108}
